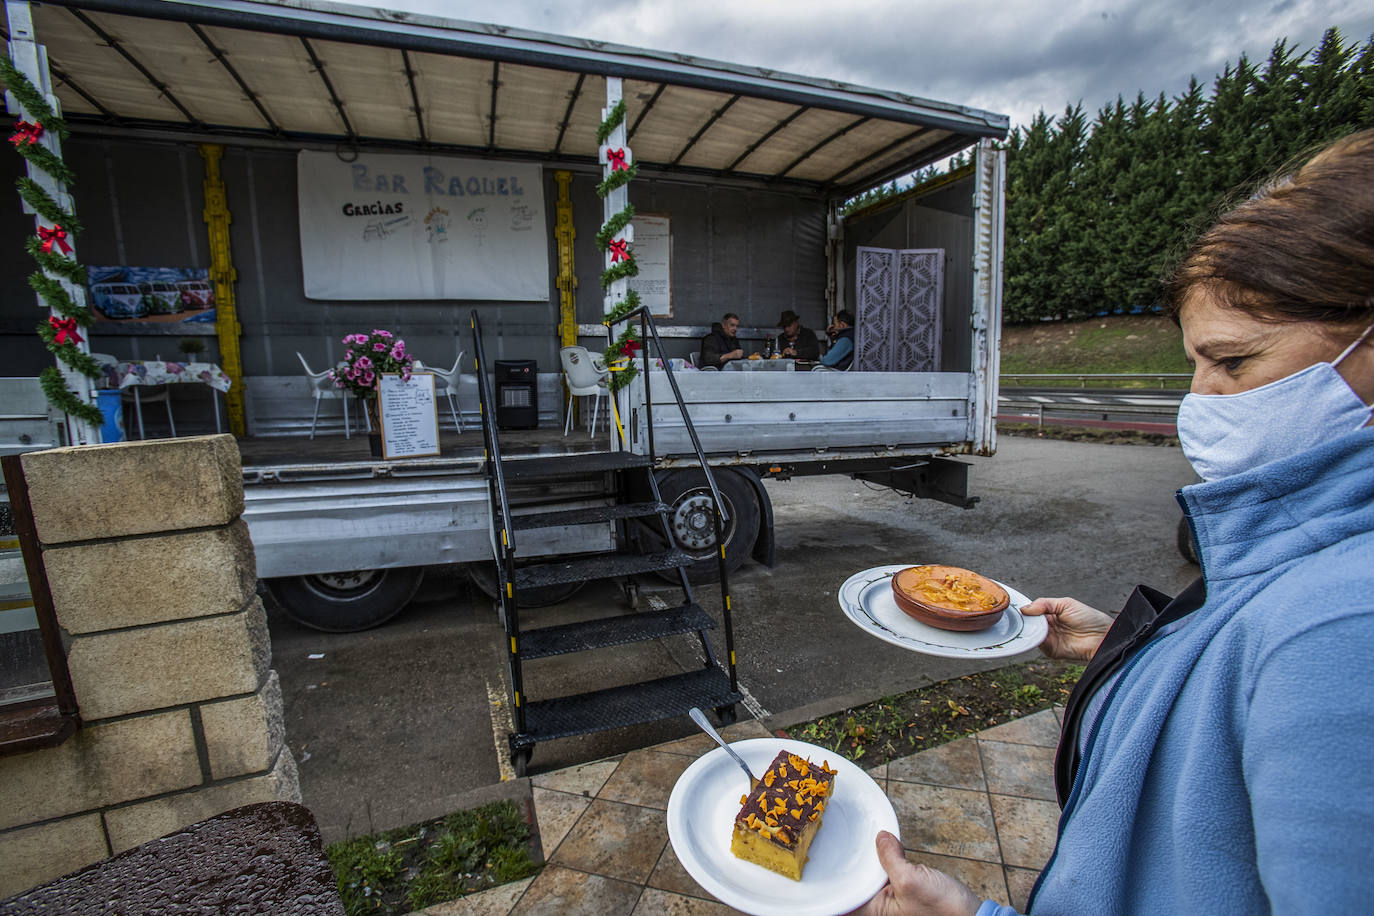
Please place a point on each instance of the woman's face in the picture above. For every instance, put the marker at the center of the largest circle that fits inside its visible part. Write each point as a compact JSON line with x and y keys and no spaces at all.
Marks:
{"x":1232,"y":351}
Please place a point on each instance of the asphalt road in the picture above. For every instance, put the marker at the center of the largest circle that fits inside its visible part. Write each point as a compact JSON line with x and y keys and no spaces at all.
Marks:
{"x":394,"y":725}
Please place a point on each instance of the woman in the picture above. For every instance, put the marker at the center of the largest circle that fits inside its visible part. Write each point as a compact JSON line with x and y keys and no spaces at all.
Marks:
{"x":1218,"y":753}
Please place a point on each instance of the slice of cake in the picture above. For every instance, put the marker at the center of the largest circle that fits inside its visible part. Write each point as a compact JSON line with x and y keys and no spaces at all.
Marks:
{"x":779,"y":818}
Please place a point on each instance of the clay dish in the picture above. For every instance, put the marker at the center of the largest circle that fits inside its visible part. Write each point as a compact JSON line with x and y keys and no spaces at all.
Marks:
{"x":949,"y":598}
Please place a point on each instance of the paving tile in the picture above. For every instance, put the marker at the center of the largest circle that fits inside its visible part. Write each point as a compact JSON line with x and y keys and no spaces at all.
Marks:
{"x":1019,"y":884}
{"x":645,"y":778}
{"x":1059,"y":716}
{"x":556,"y":812}
{"x":669,"y":875}
{"x":565,"y":892}
{"x":1027,"y":829}
{"x":1041,"y":729}
{"x":983,"y":878}
{"x":654,"y":902}
{"x":1018,"y":769}
{"x":955,"y":764}
{"x":700,"y":743}
{"x":939,"y":819}
{"x":615,"y":840}
{"x":496,"y":902}
{"x":583,"y":779}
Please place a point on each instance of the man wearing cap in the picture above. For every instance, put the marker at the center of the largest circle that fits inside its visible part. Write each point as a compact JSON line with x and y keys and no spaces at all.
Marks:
{"x":795,"y":341}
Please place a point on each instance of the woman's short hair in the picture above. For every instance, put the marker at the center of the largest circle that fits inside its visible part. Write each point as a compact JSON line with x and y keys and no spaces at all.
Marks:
{"x":1300,"y":249}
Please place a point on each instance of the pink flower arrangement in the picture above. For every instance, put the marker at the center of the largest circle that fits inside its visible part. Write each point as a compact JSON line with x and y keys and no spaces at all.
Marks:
{"x":368,"y":357}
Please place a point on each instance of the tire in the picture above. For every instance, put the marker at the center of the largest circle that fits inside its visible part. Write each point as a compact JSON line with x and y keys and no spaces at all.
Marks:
{"x":346,"y":602}
{"x":688,"y":497}
{"x":484,"y":577}
{"x":1186,"y":546}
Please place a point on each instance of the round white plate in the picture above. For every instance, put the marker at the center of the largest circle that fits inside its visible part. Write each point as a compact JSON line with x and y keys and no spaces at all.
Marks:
{"x":842,"y":871}
{"x":866,"y":599}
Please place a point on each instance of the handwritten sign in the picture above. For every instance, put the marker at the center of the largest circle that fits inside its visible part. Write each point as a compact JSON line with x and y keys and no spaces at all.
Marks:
{"x":653,"y":250}
{"x":410,"y":417}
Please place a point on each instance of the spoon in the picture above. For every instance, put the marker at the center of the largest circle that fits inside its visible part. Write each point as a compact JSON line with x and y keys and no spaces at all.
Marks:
{"x":699,"y":718}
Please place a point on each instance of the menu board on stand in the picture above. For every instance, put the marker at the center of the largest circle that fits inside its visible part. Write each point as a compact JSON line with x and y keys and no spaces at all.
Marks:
{"x":410,"y":416}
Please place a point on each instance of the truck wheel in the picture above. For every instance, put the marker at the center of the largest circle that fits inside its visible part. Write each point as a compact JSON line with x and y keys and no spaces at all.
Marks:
{"x":345,"y":602}
{"x":1186,"y":547}
{"x":484,"y":577}
{"x":688,"y":496}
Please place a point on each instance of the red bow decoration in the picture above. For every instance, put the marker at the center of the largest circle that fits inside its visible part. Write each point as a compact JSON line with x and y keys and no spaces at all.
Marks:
{"x":620,"y":251}
{"x":26,"y":132}
{"x":55,"y":234}
{"x":629,"y":347}
{"x":616,"y":157}
{"x":65,"y":328}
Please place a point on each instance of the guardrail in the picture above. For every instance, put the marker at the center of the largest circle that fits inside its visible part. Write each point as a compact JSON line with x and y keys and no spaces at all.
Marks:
{"x":1082,"y":377}
{"x":1035,"y":410}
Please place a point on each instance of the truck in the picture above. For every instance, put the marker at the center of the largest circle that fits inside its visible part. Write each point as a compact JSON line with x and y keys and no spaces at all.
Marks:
{"x":192,"y":124}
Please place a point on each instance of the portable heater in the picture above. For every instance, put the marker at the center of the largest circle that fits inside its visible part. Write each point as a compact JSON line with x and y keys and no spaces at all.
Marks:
{"x":517,"y":394}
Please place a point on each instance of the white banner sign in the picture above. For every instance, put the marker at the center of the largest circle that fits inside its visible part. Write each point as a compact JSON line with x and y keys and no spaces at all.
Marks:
{"x":653,"y":249}
{"x":390,"y":226}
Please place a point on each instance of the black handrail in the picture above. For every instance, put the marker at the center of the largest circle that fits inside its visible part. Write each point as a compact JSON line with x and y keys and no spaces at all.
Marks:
{"x":504,"y":550}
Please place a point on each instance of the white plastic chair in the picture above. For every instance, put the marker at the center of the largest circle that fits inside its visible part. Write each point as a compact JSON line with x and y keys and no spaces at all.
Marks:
{"x":322,"y":386}
{"x":448,"y":382}
{"x":586,"y":377}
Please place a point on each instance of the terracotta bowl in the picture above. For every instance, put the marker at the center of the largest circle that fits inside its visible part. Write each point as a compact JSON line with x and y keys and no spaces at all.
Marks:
{"x":945,"y":612}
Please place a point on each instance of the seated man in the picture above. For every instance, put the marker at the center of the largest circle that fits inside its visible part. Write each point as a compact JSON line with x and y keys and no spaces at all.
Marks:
{"x":721,"y":345}
{"x":841,"y":352}
{"x":795,"y":341}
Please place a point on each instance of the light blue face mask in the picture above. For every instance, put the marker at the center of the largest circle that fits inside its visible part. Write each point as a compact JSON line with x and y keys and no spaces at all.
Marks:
{"x":1225,"y":434}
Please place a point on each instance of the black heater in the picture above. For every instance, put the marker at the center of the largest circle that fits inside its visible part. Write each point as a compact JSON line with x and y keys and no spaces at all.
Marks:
{"x":517,"y":393}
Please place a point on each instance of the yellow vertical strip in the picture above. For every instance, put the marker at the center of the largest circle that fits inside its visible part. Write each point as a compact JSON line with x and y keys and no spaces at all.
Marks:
{"x":222,"y":275}
{"x":567,"y":276}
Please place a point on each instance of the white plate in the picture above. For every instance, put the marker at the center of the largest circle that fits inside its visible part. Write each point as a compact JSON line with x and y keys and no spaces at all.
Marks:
{"x":842,"y":870}
{"x":866,"y":599}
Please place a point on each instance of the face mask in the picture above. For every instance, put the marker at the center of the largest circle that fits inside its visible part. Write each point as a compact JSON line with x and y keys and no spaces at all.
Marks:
{"x":1225,"y":434}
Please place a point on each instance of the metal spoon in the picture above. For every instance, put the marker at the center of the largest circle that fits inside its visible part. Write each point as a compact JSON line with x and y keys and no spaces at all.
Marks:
{"x":699,"y":718}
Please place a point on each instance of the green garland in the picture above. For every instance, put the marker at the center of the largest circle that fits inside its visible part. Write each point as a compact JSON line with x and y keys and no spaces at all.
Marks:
{"x":617,"y":180}
{"x":626,"y":268}
{"x":622,"y":377}
{"x":621,"y":309}
{"x":53,"y":262}
{"x":613,"y":227}
{"x":614,"y":119}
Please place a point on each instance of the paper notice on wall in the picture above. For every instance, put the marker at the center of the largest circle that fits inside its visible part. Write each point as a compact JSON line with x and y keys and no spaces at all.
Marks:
{"x":653,"y":251}
{"x":393,"y":226}
{"x":410,"y":417}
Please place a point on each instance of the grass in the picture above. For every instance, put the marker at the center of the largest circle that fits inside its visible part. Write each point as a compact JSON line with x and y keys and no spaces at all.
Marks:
{"x":900,"y":725}
{"x":397,"y":871}
{"x":1120,"y":344}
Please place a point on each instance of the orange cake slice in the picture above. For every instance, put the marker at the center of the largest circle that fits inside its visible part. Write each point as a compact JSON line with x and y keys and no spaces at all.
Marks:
{"x":779,"y":818}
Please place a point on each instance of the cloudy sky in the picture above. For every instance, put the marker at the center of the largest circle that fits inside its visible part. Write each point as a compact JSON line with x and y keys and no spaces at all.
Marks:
{"x":1014,"y":56}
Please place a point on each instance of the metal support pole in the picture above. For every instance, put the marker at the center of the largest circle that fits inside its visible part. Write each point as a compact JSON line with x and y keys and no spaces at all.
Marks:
{"x":222,"y":275}
{"x":31,"y":59}
{"x":610,"y":206}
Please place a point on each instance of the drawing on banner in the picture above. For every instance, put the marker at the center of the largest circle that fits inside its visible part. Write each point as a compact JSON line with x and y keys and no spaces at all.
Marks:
{"x":152,"y":295}
{"x":401,"y":226}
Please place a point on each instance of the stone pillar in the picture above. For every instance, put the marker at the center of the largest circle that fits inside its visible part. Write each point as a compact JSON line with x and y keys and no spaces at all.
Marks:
{"x":153,"y":580}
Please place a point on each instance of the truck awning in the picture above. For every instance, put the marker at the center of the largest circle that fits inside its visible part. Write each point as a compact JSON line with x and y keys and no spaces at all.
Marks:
{"x":308,"y":72}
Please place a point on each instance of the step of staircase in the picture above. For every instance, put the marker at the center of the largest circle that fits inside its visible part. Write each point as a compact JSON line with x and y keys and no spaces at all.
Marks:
{"x":600,"y":566}
{"x":633,"y":704}
{"x":613,"y":631}
{"x":577,"y":465}
{"x":564,"y":517}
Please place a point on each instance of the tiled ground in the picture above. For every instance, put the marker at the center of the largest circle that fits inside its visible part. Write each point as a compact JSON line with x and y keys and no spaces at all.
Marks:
{"x":981,"y":809}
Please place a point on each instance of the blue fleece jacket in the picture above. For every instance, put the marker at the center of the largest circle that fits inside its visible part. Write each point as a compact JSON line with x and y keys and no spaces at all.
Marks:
{"x":1232,"y":769}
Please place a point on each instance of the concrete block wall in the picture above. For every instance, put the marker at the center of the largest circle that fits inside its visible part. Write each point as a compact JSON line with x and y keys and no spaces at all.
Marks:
{"x":153,"y":579}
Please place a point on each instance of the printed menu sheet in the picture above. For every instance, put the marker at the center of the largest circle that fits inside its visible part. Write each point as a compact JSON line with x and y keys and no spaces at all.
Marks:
{"x":410,"y":417}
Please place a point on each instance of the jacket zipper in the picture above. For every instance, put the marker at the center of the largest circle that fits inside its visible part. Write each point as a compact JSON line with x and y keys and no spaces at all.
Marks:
{"x":1075,"y":792}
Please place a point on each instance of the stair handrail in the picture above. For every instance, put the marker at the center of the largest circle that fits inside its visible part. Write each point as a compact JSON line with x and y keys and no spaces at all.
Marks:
{"x":493,"y":449}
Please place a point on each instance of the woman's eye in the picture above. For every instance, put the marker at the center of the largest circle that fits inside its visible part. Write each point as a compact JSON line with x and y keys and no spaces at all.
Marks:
{"x":1232,"y":363}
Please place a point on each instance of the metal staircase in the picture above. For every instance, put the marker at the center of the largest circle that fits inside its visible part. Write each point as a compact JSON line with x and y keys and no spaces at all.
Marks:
{"x":714,"y":685}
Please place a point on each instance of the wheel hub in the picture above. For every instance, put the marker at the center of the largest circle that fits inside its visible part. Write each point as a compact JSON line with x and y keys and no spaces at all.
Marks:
{"x":349,"y":581}
{"x":693,"y":522}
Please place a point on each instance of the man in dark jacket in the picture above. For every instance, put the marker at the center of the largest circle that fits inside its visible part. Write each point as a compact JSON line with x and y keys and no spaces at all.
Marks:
{"x":795,"y":341}
{"x":841,"y":353}
{"x":721,"y":345}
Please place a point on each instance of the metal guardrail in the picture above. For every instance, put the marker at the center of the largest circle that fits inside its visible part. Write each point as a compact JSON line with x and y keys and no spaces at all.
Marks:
{"x":1035,"y":410}
{"x":1082,"y":377}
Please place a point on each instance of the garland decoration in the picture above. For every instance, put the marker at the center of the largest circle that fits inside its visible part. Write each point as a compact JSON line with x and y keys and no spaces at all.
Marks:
{"x":624,"y":269}
{"x":50,"y":248}
{"x":614,"y":118}
{"x":622,"y":308}
{"x":617,"y":180}
{"x":613,"y":227}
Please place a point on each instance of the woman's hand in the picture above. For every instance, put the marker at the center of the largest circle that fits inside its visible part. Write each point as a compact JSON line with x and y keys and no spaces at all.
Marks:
{"x":1076,"y":630}
{"x":913,"y":889}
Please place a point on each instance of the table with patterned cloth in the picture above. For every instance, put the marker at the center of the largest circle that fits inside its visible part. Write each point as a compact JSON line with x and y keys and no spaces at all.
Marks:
{"x":141,"y":373}
{"x":761,"y":365}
